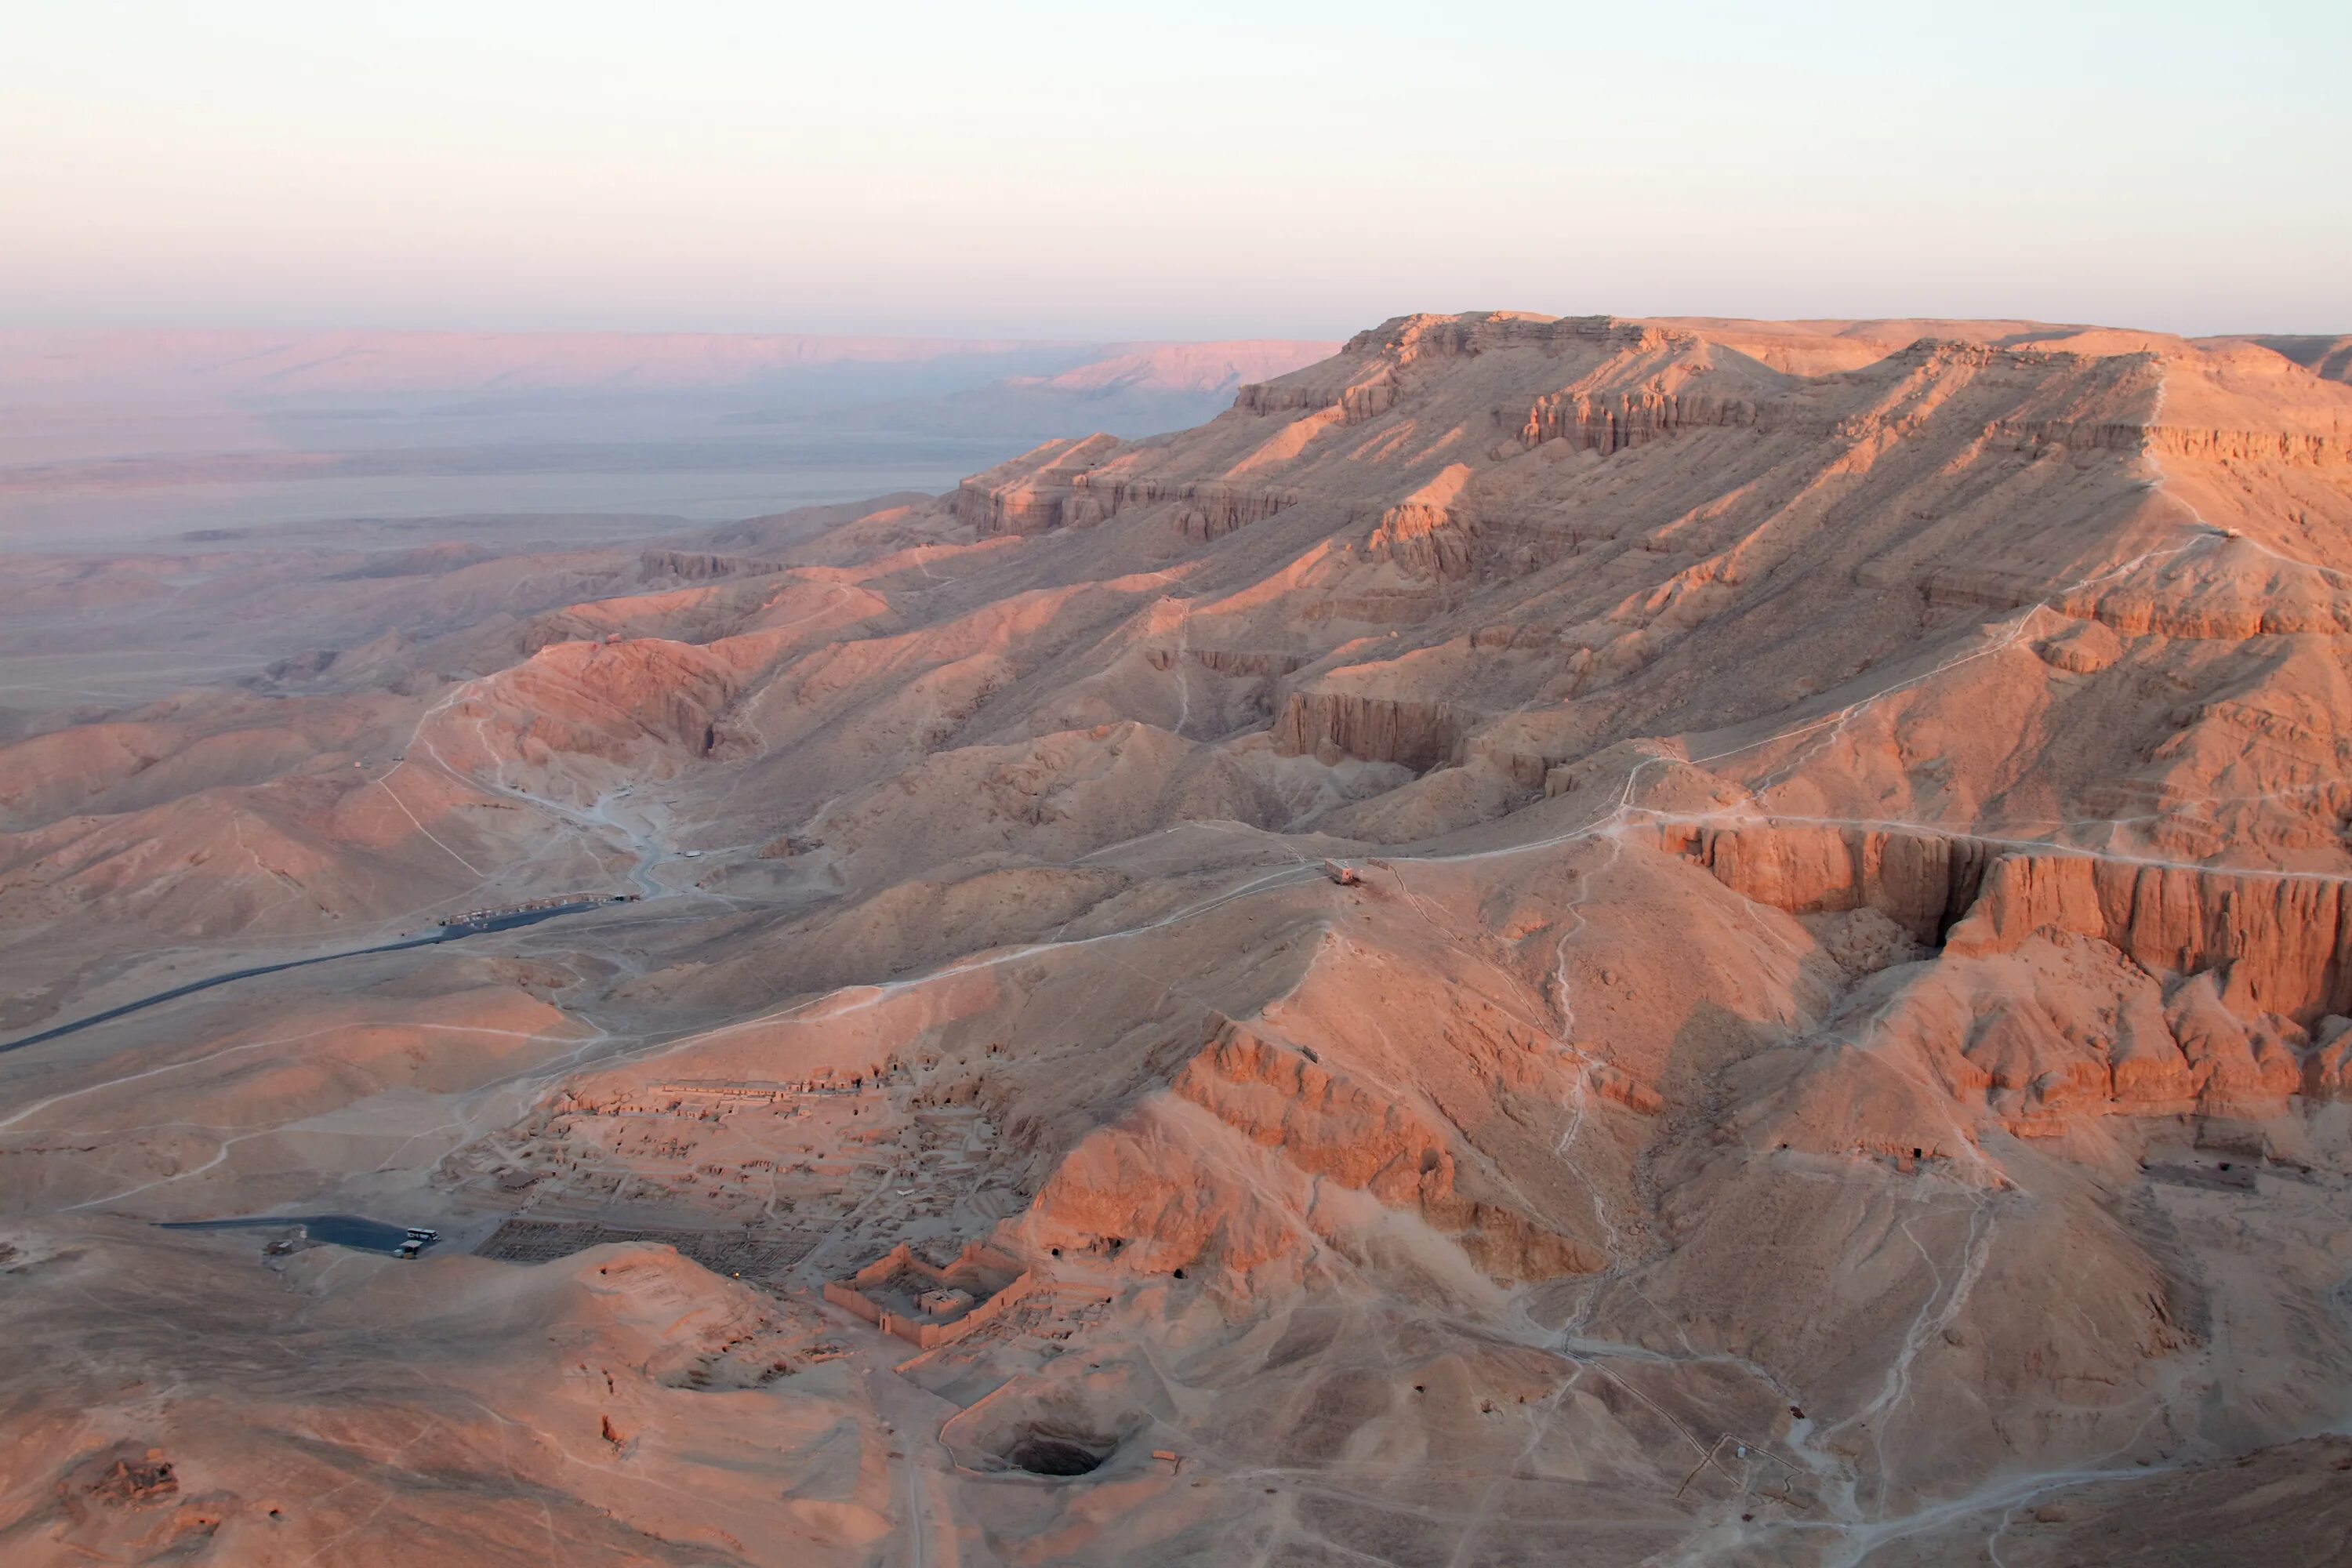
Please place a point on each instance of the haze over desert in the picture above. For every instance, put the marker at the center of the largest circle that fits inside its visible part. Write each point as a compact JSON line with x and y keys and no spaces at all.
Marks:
{"x":651,"y":912}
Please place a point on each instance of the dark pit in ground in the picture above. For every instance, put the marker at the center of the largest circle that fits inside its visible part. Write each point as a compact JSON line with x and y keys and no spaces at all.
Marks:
{"x":1043,"y":1455}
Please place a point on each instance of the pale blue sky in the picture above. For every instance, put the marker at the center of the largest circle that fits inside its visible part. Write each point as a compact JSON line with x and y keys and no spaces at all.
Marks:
{"x":1204,"y":170}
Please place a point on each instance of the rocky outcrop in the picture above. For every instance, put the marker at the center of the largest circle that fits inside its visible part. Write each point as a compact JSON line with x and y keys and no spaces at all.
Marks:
{"x":1209,"y":509}
{"x":1015,"y":508}
{"x":1356,"y":401}
{"x":2181,"y":1052}
{"x":1419,"y":735}
{"x":1031,"y":493}
{"x":1423,"y":541}
{"x":1215,"y":507}
{"x":1337,"y":1131}
{"x":1325,"y":1125}
{"x":2086,"y":648}
{"x":2293,"y":448}
{"x":693,"y":567}
{"x":1433,"y":534}
{"x":2281,"y":940}
{"x":1608,"y":424}
{"x":2217,"y":608}
{"x":1924,"y":882}
{"x":2327,"y":1069}
{"x":1097,"y":497}
{"x":1238,"y":661}
{"x":2230,"y":1063}
{"x":647,"y":704}
{"x":1212,"y":511}
{"x":1410,"y":338}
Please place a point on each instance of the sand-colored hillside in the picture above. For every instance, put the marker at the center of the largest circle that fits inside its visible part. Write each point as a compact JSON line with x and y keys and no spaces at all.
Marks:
{"x":1625,"y":942}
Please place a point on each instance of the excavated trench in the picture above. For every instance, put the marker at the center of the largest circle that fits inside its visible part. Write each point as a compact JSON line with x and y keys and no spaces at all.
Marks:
{"x":1033,"y":1426}
{"x":1041,"y":1453}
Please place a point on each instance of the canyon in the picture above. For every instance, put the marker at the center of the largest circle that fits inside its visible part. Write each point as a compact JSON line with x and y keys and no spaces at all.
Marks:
{"x":1548,"y":940}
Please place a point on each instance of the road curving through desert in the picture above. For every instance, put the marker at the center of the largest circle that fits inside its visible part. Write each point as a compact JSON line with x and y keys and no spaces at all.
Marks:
{"x":457,"y":932}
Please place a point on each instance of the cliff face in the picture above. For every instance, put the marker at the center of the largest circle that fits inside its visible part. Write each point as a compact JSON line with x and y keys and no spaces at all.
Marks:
{"x":701,"y":567}
{"x":1355,"y":402}
{"x":1206,"y":510}
{"x":1031,"y":494}
{"x":2156,"y":991}
{"x":1413,"y":339}
{"x":1924,"y":882}
{"x":1419,"y":735}
{"x":1627,"y":420}
{"x":1230,"y":660}
{"x":2280,"y":939}
{"x":2287,"y":447}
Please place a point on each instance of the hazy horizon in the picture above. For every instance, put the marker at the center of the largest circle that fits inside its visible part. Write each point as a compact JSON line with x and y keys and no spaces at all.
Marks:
{"x":128,"y":437}
{"x":1050,"y":171}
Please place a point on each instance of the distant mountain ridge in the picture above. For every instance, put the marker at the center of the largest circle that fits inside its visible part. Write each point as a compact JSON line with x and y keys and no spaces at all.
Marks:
{"x":49,"y":368}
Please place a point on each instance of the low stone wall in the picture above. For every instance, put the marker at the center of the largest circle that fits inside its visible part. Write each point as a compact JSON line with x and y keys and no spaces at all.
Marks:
{"x":973,"y":1266}
{"x":850,"y":1301}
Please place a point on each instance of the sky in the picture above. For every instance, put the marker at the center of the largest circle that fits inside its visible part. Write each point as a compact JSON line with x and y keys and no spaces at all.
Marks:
{"x":1207,"y":170}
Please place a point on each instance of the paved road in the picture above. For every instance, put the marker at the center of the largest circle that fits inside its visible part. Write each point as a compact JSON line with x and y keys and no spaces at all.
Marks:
{"x":447,"y":933}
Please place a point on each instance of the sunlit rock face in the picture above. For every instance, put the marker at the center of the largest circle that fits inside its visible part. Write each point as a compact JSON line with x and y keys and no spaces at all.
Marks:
{"x":1548,"y":941}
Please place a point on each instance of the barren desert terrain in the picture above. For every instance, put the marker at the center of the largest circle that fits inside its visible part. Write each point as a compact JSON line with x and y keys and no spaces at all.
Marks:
{"x":1549,"y":941}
